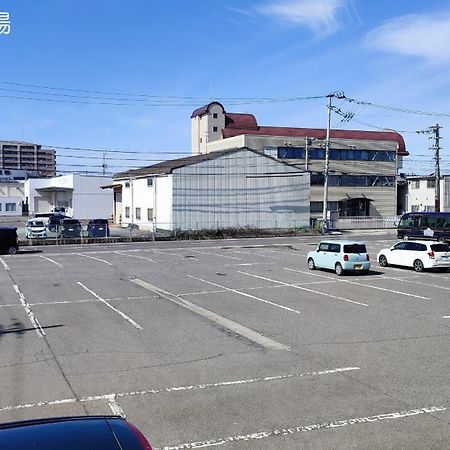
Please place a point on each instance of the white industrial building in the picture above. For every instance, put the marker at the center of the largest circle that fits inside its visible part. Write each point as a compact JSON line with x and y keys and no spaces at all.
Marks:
{"x":419,"y":194}
{"x":11,"y":198}
{"x":80,"y":196}
{"x":226,"y":189}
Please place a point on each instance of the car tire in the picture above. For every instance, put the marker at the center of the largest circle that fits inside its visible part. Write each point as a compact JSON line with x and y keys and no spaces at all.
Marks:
{"x":311,"y":264}
{"x":418,"y":265}
{"x":338,"y":269}
{"x":12,"y":250}
{"x":382,"y":261}
{"x":405,"y":237}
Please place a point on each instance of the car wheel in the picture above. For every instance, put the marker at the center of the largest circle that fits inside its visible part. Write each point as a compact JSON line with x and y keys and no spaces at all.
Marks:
{"x":382,"y":260}
{"x":442,"y":239}
{"x":311,"y":265}
{"x":338,"y":269}
{"x":418,"y":265}
{"x":405,"y":237}
{"x":12,"y":250}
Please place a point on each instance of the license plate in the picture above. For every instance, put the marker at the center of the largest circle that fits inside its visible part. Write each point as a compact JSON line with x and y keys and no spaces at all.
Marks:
{"x":357,"y":266}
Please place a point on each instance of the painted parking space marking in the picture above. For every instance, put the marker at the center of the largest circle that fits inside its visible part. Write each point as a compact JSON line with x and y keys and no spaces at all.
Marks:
{"x":96,"y":259}
{"x":228,"y":324}
{"x":187,"y":388}
{"x":116,"y":310}
{"x":4,"y":264}
{"x":216,"y":254}
{"x":56,"y":263}
{"x":295,"y":286}
{"x":170,"y":253}
{"x":258,"y":435}
{"x":122,"y":253}
{"x":392,"y":291}
{"x":277,"y":305}
{"x":33,"y":319}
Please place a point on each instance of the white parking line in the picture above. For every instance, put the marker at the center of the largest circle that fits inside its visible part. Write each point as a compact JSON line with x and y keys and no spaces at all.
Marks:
{"x":4,"y":264}
{"x":217,"y":254}
{"x":188,"y":388}
{"x":286,"y":431}
{"x":228,"y":324}
{"x":52,"y":261}
{"x":114,"y":405}
{"x":33,"y":319}
{"x":93,"y":257}
{"x":118,"y":311}
{"x":295,"y":286}
{"x":246,"y":295}
{"x":170,"y":253}
{"x":122,"y":253}
{"x":392,"y":291}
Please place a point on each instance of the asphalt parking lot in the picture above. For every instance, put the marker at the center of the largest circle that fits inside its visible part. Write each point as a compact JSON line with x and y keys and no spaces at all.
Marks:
{"x":232,"y":344}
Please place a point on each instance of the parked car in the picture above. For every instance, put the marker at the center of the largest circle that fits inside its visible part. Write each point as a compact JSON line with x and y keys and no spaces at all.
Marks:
{"x":72,"y":433}
{"x":340,"y":256}
{"x":70,"y":228}
{"x":9,"y":242}
{"x":98,"y":228}
{"x":419,"y":255}
{"x":36,"y":229}
{"x":54,"y":221}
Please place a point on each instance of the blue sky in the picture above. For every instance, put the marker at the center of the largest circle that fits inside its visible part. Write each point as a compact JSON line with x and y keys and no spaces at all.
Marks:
{"x":187,"y":52}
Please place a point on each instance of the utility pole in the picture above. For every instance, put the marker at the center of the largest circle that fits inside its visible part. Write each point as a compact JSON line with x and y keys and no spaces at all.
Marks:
{"x":327,"y":163}
{"x":308,"y":142}
{"x":104,"y":164}
{"x":433,"y":131}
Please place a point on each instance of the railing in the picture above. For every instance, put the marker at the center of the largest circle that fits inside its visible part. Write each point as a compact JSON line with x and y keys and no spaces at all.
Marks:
{"x":363,"y":222}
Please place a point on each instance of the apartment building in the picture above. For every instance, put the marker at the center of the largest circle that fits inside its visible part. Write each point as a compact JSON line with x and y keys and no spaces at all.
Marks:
{"x":419,"y":194}
{"x":363,"y":165}
{"x":17,"y":155}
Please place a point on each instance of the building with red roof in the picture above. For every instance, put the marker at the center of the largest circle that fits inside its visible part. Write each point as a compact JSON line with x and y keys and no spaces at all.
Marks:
{"x":363,"y":165}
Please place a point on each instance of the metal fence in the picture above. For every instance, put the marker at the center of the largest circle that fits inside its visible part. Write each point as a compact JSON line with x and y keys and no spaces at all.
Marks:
{"x":365,"y":223}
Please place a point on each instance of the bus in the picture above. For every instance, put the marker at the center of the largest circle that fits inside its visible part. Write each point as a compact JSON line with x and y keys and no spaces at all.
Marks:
{"x":424,"y":225}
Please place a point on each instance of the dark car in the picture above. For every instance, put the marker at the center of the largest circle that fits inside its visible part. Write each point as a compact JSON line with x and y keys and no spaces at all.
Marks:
{"x":70,"y":228}
{"x":54,"y":221}
{"x":72,"y":433}
{"x":8,"y":241}
{"x":98,"y":228}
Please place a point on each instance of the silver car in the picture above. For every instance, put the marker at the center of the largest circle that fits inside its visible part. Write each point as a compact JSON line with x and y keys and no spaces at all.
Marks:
{"x":36,"y":229}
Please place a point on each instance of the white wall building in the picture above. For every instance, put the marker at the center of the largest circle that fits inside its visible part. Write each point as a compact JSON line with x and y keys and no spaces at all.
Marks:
{"x":420,"y":193}
{"x":80,"y":195}
{"x":233,"y":188}
{"x":11,"y":198}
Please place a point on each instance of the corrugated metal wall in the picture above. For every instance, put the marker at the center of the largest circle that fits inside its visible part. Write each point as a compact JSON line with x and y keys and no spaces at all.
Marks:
{"x":240,"y":190}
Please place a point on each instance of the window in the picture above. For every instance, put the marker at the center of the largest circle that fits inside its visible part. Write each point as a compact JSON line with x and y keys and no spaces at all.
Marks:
{"x":150,"y":214}
{"x":138,"y":213}
{"x":415,"y":208}
{"x":10,"y":207}
{"x":324,"y":247}
{"x":149,"y":182}
{"x":429,"y":208}
{"x":0,"y":206}
{"x":127,"y":212}
{"x":127,"y":184}
{"x":316,"y":207}
{"x":431,"y":183}
{"x":214,"y":115}
{"x":415,"y":184}
{"x":214,"y":129}
{"x":335,"y":248}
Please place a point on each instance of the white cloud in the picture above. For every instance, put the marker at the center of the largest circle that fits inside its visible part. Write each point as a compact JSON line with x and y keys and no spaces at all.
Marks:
{"x":425,"y":36}
{"x":318,"y":15}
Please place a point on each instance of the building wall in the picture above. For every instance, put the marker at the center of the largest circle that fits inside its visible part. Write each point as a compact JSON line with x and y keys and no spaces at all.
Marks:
{"x":137,"y":193}
{"x":206,"y":129}
{"x":80,"y":195}
{"x":27,"y":156}
{"x":239,"y":190}
{"x":420,"y":194}
{"x":11,"y":197}
{"x":384,"y":197}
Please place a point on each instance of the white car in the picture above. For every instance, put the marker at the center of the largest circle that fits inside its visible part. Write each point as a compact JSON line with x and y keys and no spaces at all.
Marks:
{"x":36,"y":229}
{"x":419,"y":255}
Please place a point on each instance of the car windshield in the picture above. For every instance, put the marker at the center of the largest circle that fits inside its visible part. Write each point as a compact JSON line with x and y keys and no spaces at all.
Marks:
{"x":355,"y":248}
{"x":36,"y":224}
